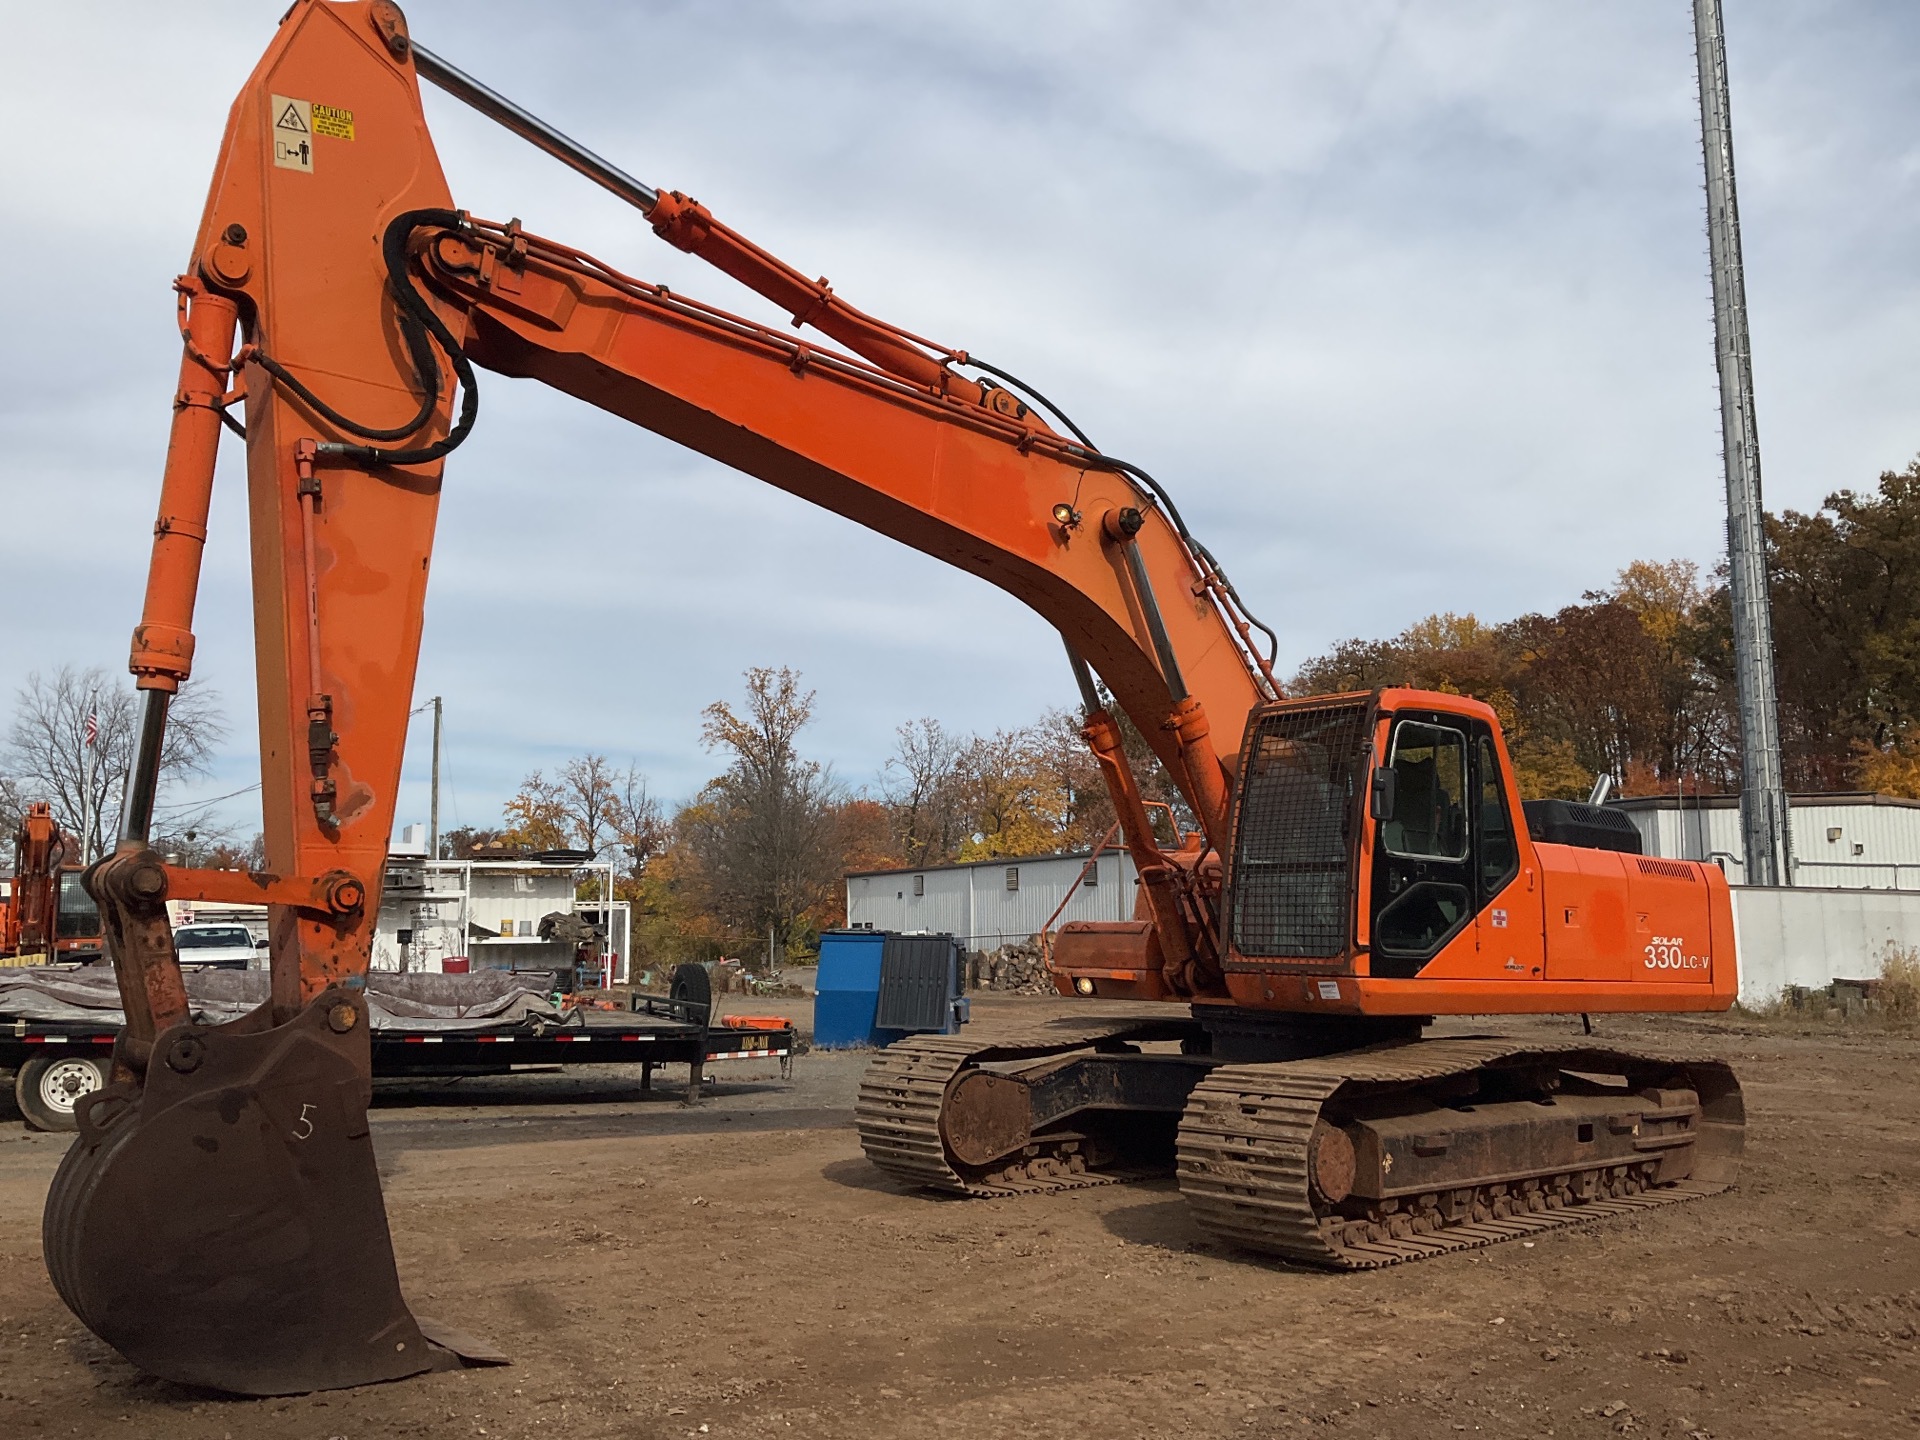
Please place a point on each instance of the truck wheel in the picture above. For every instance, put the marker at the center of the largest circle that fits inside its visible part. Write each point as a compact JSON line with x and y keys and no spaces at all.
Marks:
{"x":47,"y":1087}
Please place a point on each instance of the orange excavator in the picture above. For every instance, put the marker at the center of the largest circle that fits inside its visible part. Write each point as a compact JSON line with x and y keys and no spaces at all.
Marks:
{"x":47,"y":915}
{"x":1362,"y":863}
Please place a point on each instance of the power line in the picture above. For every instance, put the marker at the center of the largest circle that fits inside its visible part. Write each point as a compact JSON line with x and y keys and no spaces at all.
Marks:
{"x":186,"y":805}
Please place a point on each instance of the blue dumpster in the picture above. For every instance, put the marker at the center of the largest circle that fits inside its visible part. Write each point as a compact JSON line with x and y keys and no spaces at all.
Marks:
{"x":875,"y":987}
{"x":846,"y":989}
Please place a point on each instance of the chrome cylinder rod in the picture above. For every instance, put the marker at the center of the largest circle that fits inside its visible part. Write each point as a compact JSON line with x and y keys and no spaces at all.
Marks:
{"x":531,"y":128}
{"x":136,"y":815}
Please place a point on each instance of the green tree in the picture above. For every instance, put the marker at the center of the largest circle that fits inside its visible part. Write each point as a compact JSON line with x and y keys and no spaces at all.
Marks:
{"x":1846,"y":621}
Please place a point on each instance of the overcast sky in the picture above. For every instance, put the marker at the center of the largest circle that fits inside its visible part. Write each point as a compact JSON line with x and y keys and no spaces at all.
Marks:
{"x":1406,"y":302}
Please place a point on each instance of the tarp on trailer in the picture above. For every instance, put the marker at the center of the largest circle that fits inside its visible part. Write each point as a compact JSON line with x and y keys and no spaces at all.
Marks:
{"x":483,"y":1000}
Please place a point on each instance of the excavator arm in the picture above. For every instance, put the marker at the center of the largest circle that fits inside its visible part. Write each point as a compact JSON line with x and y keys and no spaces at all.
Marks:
{"x":338,"y":300}
{"x":29,"y":918}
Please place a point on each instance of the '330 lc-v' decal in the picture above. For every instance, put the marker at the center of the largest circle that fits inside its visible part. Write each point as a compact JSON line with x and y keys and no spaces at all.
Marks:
{"x":1669,"y":952}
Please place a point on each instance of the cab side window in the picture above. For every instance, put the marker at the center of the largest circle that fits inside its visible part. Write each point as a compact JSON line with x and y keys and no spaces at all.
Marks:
{"x":1497,"y":855}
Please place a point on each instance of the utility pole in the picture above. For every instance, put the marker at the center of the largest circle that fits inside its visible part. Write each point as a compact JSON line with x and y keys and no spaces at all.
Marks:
{"x":433,"y":807}
{"x":1765,"y":833}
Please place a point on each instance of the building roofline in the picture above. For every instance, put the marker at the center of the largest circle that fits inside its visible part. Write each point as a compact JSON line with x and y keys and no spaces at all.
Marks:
{"x":1732,"y":802}
{"x":998,"y":860}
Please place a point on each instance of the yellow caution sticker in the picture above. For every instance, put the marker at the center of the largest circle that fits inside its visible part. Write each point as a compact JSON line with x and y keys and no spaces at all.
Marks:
{"x":292,"y":133}
{"x":333,"y":122}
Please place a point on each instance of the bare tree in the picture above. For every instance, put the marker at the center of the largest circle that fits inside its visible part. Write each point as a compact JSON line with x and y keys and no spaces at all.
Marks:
{"x":13,"y":805}
{"x":638,"y":824}
{"x":921,"y":791}
{"x":763,"y":831}
{"x":50,"y":753}
{"x":589,"y":790}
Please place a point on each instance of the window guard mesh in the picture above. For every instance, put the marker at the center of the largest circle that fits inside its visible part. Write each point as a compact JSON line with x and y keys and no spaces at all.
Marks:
{"x":1291,"y":886}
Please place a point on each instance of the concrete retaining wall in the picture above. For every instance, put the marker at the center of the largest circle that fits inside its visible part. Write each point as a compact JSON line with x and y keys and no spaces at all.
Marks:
{"x":1812,"y":937}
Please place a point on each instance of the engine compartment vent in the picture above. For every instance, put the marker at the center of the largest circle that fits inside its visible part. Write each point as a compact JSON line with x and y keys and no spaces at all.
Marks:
{"x":1671,"y":869}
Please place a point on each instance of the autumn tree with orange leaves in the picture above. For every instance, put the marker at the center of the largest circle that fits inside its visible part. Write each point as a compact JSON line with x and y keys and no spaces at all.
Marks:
{"x":1636,"y":681}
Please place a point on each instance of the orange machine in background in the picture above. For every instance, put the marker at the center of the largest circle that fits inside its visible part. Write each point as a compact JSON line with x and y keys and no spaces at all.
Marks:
{"x":47,"y":914}
{"x":1361,"y":863}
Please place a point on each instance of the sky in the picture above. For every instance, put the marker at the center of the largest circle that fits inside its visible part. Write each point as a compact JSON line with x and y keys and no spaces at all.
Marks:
{"x":1407,"y":304}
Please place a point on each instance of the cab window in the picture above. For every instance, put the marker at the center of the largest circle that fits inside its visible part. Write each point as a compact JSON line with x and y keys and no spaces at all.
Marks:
{"x":79,"y":917}
{"x":1429,"y":819}
{"x":1497,"y":853}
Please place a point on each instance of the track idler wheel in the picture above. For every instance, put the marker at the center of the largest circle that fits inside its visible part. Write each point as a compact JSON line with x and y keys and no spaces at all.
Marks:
{"x":221,"y":1224}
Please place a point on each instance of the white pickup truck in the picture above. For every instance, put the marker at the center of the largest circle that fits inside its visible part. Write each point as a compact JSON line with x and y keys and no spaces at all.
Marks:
{"x":218,"y":947}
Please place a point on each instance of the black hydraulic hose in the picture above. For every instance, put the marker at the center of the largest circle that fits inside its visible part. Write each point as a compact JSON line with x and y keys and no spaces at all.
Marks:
{"x":1173,"y":514}
{"x":421,"y":328}
{"x":1036,"y":396}
{"x":1154,"y":487}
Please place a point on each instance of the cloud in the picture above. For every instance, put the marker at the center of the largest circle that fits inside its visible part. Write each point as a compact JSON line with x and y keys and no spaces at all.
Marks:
{"x":1408,"y":304}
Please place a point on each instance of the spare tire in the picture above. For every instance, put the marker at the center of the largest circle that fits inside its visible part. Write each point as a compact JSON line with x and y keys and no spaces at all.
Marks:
{"x":693,"y":987}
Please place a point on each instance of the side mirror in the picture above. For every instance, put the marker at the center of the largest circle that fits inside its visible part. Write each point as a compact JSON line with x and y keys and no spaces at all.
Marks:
{"x":1385,"y":787}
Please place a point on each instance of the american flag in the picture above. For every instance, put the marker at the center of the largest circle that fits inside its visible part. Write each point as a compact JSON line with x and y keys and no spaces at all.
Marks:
{"x":93,"y":726}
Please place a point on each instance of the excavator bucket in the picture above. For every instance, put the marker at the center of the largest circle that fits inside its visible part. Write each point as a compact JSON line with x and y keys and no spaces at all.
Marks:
{"x":221,"y":1224}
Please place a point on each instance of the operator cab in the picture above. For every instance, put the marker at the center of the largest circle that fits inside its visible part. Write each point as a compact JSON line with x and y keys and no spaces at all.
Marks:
{"x":1381,"y":838}
{"x":1380,"y":824}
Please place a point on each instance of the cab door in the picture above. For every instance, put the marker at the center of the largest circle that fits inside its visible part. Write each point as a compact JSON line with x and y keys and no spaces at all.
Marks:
{"x":1423,"y":859}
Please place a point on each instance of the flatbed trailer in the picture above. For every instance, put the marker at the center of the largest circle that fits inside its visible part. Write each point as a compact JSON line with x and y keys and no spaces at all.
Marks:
{"x":55,"y":1062}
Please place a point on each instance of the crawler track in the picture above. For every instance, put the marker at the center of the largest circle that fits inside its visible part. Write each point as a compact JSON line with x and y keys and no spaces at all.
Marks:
{"x":904,"y":1087}
{"x":1243,"y":1164}
{"x":1243,"y":1154}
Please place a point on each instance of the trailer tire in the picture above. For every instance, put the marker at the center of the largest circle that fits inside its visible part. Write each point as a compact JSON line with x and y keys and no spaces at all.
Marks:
{"x":47,"y":1087}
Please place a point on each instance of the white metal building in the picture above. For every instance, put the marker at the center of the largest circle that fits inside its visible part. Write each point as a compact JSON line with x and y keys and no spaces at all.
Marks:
{"x":1840,"y":841}
{"x":990,"y":903}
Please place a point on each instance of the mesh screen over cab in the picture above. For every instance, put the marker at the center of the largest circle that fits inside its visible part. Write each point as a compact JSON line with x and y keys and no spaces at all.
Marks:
{"x":1291,"y":890}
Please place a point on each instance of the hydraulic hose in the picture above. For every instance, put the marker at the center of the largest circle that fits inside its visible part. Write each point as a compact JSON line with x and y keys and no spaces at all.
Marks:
{"x":421,"y":328}
{"x":1095,"y":457}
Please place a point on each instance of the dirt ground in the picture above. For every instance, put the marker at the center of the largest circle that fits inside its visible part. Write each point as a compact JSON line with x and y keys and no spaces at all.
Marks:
{"x":736,"y":1269}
